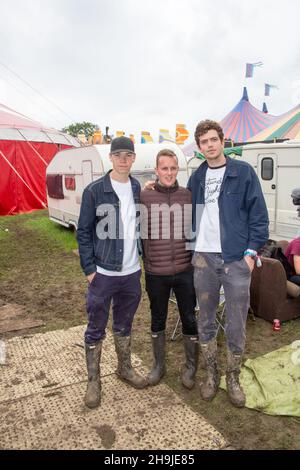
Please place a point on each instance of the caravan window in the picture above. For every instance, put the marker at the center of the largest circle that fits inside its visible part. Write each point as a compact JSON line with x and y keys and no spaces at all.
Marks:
{"x":70,"y":183}
{"x":54,"y":186}
{"x":267,"y":169}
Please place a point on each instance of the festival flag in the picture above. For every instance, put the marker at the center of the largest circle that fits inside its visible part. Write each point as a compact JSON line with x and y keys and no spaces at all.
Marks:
{"x":250,"y":68}
{"x":97,"y":137}
{"x":120,"y":133}
{"x":131,"y":137}
{"x":164,"y":136}
{"x":146,"y":138}
{"x":181,"y":134}
{"x":268,"y":88}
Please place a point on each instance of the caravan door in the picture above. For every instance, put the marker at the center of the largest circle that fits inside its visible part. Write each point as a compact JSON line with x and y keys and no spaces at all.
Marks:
{"x":267,"y":173}
{"x":87,"y":176}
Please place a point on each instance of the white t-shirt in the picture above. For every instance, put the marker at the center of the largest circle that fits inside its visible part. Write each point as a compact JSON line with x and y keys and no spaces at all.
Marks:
{"x":208,"y":238}
{"x":131,"y":262}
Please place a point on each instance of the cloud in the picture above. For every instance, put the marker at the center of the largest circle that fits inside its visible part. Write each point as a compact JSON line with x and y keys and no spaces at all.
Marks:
{"x":139,"y":65}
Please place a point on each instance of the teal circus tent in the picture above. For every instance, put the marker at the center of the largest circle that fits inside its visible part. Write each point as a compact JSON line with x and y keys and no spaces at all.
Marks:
{"x":286,"y":126}
{"x":229,"y":151}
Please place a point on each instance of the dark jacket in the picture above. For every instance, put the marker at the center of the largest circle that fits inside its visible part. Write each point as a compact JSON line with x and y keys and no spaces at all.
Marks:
{"x":99,"y":232}
{"x":242,"y":209}
{"x":163,"y":233}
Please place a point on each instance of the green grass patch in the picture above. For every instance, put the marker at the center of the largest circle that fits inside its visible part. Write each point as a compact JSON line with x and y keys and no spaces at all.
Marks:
{"x":7,"y":221}
{"x":55,"y":233}
{"x":3,"y":234}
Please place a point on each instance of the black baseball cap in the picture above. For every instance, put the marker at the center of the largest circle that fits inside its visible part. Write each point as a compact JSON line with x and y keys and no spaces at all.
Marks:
{"x":121,"y":144}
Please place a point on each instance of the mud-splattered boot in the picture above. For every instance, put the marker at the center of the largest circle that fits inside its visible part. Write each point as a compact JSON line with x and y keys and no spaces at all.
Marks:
{"x":158,"y":369}
{"x":211,"y":384}
{"x":125,"y":370}
{"x":93,"y":392}
{"x":235,"y":392}
{"x":191,"y":347}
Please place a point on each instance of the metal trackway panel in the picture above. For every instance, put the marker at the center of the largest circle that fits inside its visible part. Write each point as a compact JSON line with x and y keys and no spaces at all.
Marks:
{"x":33,"y":416}
{"x":46,"y":361}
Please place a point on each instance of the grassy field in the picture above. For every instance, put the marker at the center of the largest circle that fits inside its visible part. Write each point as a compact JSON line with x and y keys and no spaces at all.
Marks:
{"x":40,"y":271}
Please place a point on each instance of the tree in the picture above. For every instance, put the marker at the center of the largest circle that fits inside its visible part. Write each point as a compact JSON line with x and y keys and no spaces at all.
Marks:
{"x":86,"y":128}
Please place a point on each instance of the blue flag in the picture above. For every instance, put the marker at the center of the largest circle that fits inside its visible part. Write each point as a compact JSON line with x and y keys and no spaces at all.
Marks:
{"x":250,"y":68}
{"x":268,"y":88}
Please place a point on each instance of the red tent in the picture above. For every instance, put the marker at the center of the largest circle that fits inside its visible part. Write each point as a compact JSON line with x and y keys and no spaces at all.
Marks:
{"x":26,"y":148}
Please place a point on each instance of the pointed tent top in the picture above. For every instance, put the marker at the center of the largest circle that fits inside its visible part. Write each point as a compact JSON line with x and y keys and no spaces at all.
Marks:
{"x":245,"y":120}
{"x":241,"y":123}
{"x":245,"y":94}
{"x":265,"y":109}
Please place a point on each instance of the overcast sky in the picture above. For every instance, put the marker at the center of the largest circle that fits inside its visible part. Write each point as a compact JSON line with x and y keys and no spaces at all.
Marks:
{"x":145,"y":64}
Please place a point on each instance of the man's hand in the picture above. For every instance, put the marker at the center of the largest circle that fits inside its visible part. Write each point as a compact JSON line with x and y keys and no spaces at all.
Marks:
{"x":149,"y":184}
{"x":250,"y":261}
{"x":90,"y":277}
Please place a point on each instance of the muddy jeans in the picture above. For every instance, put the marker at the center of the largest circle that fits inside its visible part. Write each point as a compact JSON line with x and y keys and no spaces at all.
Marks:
{"x":210,"y":274}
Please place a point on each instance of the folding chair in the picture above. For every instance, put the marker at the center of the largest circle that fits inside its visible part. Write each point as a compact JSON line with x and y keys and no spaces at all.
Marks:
{"x":175,"y":334}
{"x":220,"y":315}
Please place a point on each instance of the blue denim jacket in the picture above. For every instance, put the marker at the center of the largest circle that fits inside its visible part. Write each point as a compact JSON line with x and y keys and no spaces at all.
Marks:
{"x":107,"y":252}
{"x":243,"y":213}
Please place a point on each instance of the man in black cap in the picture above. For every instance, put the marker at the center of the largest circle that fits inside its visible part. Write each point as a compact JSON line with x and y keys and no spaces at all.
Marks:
{"x":108,"y":247}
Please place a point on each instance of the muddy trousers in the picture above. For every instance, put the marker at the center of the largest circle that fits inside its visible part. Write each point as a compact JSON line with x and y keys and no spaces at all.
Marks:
{"x":124,"y":292}
{"x":210,"y":273}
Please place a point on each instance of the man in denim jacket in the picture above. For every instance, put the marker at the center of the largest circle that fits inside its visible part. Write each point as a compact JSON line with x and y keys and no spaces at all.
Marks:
{"x":108,"y":248}
{"x":230,"y":221}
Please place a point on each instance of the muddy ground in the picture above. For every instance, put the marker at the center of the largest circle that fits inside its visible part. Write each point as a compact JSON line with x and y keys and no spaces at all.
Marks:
{"x":40,"y":271}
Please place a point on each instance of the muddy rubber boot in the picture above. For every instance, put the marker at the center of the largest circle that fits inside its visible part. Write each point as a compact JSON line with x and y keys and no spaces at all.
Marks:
{"x":191,"y":348}
{"x":125,"y":370}
{"x":93,"y":392}
{"x":211,"y":384}
{"x":235,"y":392}
{"x":158,"y":346}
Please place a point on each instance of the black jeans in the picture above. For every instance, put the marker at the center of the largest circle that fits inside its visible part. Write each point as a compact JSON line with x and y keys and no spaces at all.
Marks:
{"x":159,"y":289}
{"x":295,"y":279}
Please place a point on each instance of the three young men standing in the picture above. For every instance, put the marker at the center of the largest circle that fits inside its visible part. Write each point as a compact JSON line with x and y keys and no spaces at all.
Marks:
{"x":230,"y":223}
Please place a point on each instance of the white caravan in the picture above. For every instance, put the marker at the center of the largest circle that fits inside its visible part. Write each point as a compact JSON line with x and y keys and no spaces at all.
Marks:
{"x":70,"y":171}
{"x":278,"y":168}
